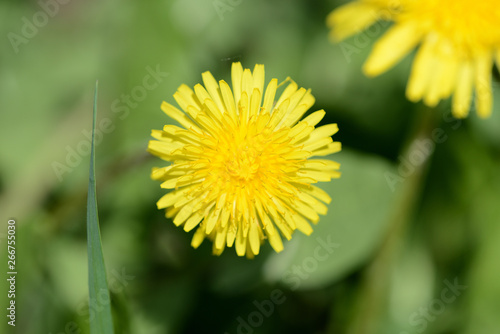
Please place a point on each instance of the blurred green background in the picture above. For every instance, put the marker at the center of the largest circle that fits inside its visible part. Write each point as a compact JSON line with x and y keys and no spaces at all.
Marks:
{"x":410,"y":244}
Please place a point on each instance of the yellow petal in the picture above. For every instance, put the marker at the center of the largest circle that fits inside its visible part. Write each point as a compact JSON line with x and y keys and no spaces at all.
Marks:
{"x":274,"y":237}
{"x":211,"y":220}
{"x":165,"y":150}
{"x":351,"y":18}
{"x":322,"y":132}
{"x":319,"y":194}
{"x":220,"y":238}
{"x":330,"y":149}
{"x":213,"y":111}
{"x":390,"y":48}
{"x":172,"y":197}
{"x":295,"y":113}
{"x":178,"y":115}
{"x":463,"y":91}
{"x":198,"y":237}
{"x":171,"y":212}
{"x":185,"y":212}
{"x":186,"y":97}
{"x":258,"y":77}
{"x":158,"y":134}
{"x":193,"y":221}
{"x":201,"y":93}
{"x":228,"y":98}
{"x":305,"y":210}
{"x":231,"y":236}
{"x":316,"y":175}
{"x":253,"y":238}
{"x":247,"y":82}
{"x":236,"y":78}
{"x":314,"y":118}
{"x":302,"y":224}
{"x":278,"y":113}
{"x":484,"y":99}
{"x":311,"y":146}
{"x":321,"y":164}
{"x":269,"y":95}
{"x":172,"y":132}
{"x":287,"y":93}
{"x":447,"y":63}
{"x":421,"y":70}
{"x":241,"y":242}
{"x":255,"y":102}
{"x":213,"y":88}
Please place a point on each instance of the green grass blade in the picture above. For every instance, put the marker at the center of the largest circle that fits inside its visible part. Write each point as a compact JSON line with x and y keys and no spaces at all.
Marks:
{"x":100,"y":318}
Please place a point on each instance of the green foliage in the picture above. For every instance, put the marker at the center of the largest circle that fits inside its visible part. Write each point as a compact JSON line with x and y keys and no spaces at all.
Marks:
{"x":100,"y":319}
{"x":156,"y":281}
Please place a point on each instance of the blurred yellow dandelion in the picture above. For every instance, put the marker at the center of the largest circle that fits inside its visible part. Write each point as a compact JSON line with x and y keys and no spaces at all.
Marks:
{"x":459,"y":40}
{"x":240,"y":171}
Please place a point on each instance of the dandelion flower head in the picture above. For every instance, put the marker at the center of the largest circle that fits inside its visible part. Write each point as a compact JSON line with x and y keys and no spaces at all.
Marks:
{"x":240,"y":170}
{"x":458,"y":40}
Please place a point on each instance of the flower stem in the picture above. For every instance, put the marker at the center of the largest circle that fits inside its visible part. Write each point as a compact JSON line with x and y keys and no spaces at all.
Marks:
{"x":374,"y":290}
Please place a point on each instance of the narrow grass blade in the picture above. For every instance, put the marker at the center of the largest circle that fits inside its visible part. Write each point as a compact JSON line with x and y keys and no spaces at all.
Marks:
{"x":100,"y":318}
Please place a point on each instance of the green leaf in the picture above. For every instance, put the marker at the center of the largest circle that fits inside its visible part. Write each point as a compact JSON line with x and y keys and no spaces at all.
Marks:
{"x":348,"y":235}
{"x":100,"y":318}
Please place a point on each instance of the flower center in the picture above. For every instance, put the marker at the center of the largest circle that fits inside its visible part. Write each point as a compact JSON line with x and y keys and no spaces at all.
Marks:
{"x":249,"y":160}
{"x":244,"y":162}
{"x":469,"y":23}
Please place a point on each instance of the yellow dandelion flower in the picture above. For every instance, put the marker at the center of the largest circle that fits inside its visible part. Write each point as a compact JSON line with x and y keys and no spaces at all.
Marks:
{"x":240,"y":168}
{"x":459,"y":40}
